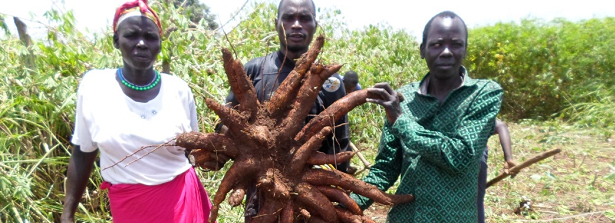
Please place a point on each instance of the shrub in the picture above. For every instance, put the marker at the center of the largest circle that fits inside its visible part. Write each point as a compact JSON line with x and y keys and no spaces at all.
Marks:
{"x":545,"y":67}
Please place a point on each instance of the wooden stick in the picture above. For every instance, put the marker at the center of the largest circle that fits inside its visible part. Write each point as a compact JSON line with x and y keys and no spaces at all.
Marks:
{"x":525,"y":164}
{"x":354,"y":149}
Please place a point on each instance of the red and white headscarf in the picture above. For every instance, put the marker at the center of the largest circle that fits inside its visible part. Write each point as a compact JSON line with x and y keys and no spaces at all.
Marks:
{"x":135,"y":8}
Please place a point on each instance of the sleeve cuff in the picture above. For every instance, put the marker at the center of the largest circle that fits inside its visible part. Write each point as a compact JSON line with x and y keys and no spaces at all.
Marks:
{"x":87,"y":148}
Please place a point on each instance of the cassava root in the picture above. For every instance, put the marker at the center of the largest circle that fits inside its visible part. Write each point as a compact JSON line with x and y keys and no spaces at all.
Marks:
{"x":273,"y":151}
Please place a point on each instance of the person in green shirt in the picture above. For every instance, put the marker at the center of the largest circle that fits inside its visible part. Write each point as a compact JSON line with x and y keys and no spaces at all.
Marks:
{"x":433,"y":140}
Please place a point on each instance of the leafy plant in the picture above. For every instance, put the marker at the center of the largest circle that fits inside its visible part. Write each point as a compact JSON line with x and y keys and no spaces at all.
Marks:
{"x":547,"y":67}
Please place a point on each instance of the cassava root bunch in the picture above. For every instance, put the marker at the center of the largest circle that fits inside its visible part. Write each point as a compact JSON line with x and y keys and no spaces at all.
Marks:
{"x":274,"y":151}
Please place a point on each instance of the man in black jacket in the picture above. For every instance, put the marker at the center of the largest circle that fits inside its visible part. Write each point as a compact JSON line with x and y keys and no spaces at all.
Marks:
{"x":296,"y":25}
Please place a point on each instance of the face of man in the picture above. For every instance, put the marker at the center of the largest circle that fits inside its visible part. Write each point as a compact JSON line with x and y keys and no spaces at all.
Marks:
{"x":296,"y":24}
{"x":139,"y":41}
{"x":445,"y":47}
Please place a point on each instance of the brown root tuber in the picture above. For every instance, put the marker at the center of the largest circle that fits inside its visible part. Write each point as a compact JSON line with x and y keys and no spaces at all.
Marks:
{"x":320,"y":158}
{"x":290,"y":86}
{"x":245,"y":92}
{"x":217,"y":143}
{"x":237,"y":196}
{"x":315,"y":200}
{"x":306,"y":150}
{"x":335,"y":177}
{"x":340,"y":196}
{"x":332,"y":113}
{"x":288,"y":212}
{"x":273,"y":151}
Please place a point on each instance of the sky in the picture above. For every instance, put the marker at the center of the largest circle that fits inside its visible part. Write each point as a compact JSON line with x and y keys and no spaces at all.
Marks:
{"x":95,"y":16}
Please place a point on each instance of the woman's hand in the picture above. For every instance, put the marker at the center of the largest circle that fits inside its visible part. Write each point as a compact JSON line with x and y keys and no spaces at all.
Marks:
{"x":79,"y":169}
{"x":384,"y":95}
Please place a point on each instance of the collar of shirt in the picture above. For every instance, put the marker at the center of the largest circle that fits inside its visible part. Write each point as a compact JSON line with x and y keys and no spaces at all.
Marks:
{"x":463,"y":72}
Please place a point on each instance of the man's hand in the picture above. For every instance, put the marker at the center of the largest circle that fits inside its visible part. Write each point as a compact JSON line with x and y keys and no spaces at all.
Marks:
{"x":384,"y":95}
{"x":509,"y":164}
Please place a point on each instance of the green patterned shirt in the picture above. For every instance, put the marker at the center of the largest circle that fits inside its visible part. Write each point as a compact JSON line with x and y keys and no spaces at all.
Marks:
{"x":436,"y":148}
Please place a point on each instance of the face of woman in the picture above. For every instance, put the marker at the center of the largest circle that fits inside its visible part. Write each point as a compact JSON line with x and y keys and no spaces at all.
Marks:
{"x":138,"y":40}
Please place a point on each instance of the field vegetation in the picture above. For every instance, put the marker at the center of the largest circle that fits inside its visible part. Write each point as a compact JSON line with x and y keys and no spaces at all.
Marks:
{"x":557,"y":75}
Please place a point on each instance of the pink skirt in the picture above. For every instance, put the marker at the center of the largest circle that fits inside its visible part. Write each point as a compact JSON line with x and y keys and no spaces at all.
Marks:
{"x":181,"y":200}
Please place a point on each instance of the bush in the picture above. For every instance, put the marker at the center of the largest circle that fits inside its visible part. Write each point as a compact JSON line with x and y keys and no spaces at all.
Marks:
{"x":545,"y":67}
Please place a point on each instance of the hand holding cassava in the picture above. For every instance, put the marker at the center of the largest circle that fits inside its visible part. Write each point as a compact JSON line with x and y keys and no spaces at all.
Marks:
{"x":384,"y":95}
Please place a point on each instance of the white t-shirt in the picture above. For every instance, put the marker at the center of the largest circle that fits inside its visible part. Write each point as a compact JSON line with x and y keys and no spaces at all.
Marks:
{"x":109,"y":120}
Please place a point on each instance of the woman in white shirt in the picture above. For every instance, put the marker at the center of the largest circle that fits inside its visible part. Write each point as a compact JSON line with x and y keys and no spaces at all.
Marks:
{"x":119,"y":111}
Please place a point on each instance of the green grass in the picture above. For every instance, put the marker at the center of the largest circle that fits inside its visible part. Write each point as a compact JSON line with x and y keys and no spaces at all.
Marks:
{"x":577,"y":181}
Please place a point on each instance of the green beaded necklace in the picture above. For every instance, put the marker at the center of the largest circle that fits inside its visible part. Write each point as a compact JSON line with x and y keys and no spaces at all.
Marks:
{"x":151,"y":85}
